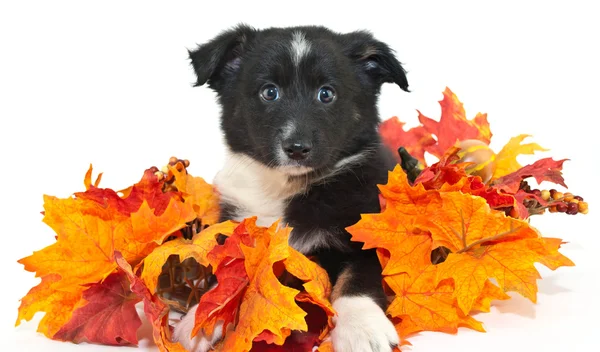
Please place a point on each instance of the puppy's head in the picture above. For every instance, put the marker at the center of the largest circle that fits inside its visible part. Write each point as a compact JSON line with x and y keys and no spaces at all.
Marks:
{"x":298,"y":99}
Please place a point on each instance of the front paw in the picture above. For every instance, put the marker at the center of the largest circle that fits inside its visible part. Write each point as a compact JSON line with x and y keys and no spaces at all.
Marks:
{"x":183,"y":331}
{"x":361,"y":326}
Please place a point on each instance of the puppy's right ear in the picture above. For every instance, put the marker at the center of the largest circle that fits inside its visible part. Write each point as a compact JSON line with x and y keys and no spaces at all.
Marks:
{"x":220,"y":58}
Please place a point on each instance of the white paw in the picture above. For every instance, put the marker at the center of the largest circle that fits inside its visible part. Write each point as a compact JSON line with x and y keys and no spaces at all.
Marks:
{"x":183,"y":332}
{"x":361,"y":326}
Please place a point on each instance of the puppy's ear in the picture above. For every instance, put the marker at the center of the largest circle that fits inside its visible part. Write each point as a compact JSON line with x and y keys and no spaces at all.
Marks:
{"x":375,"y":58}
{"x":221,"y":57}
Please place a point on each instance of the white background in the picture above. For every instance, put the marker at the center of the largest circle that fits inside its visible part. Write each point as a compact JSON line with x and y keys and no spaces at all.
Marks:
{"x":109,"y":84}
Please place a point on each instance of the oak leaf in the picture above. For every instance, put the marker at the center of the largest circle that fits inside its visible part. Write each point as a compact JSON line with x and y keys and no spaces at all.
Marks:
{"x":454,"y":125}
{"x":107,"y":315}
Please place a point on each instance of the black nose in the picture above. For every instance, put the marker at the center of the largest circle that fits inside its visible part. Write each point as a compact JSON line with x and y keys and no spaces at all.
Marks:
{"x":297,"y":150}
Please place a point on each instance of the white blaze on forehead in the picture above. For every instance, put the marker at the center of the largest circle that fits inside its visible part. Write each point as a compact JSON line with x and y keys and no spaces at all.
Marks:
{"x":300,"y":47}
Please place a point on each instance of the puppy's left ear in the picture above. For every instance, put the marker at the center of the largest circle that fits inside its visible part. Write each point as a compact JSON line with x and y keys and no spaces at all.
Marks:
{"x":220,"y":59}
{"x":376,"y":59}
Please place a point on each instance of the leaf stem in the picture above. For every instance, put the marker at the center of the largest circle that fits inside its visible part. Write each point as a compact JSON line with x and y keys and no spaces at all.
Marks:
{"x":488,"y":239}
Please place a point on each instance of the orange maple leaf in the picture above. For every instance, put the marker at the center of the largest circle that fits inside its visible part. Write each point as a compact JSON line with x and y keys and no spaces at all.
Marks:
{"x":57,"y":304}
{"x":156,"y":311}
{"x":428,"y":305}
{"x":201,"y":195}
{"x":454,"y":125}
{"x":483,"y":244}
{"x":250,"y":295}
{"x":87,"y":239}
{"x":198,"y":248}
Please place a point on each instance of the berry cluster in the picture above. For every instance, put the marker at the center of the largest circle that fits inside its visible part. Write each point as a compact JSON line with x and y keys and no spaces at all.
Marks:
{"x":565,"y":202}
{"x":554,"y":201}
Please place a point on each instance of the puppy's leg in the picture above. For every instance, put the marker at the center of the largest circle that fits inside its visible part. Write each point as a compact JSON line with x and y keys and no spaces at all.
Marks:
{"x":359,"y":301}
{"x":200,"y":343}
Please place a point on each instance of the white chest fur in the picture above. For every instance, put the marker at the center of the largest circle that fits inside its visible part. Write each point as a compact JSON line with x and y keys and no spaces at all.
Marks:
{"x":254,"y":189}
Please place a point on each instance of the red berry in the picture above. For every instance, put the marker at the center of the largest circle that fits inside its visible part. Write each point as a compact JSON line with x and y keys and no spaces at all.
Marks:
{"x":562,"y":207}
{"x":572,"y":207}
{"x":537,"y":192}
{"x":579,"y":198}
{"x":552,"y":191}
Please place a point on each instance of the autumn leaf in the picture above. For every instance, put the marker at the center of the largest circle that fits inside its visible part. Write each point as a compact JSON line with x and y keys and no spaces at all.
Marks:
{"x":454,"y":126}
{"x":249,"y":295}
{"x":198,"y":193}
{"x":148,"y":189}
{"x":506,"y":159}
{"x":108,"y":315}
{"x":87,"y":239}
{"x":156,"y":311}
{"x":415,"y":140}
{"x":58,"y":305}
{"x":489,"y":293}
{"x":265,"y":294}
{"x":198,"y":248}
{"x":545,"y":169}
{"x":428,"y":305}
{"x":484,"y":244}
{"x":408,"y":245}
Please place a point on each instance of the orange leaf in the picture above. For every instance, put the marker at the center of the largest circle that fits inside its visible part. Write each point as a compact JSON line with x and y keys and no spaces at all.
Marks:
{"x":409,"y":247}
{"x":489,"y":293}
{"x":428,"y":305}
{"x":198,"y":193}
{"x":266,"y":298}
{"x":414,"y":140}
{"x":249,"y":294}
{"x":58,"y":305}
{"x":197,"y":248}
{"x":88,"y":234}
{"x":462,"y":222}
{"x":155,"y":310}
{"x":454,"y":126}
{"x":509,"y":262}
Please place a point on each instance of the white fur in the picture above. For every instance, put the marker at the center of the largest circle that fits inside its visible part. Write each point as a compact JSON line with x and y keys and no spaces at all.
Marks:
{"x":255,"y":189}
{"x":288,"y":130}
{"x":199,"y":343}
{"x":361,"y":326}
{"x":317,"y":239}
{"x":351,"y":160}
{"x":293,"y":170}
{"x":300,"y":47}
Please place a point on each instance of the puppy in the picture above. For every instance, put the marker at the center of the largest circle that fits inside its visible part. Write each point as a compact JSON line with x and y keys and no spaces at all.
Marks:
{"x":299,"y":116}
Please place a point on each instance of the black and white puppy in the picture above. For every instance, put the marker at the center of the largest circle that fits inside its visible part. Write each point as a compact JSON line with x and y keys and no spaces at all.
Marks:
{"x":299,"y":116}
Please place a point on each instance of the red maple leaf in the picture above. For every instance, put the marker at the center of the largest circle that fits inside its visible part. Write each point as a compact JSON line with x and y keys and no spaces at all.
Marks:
{"x":109,"y":316}
{"x":545,"y":169}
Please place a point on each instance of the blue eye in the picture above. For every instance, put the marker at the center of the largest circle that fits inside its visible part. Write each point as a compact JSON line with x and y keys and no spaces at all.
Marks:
{"x":270,"y":92}
{"x":326,"y":95}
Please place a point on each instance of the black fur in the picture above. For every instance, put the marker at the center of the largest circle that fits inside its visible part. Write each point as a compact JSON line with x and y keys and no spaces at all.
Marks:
{"x":239,"y":62}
